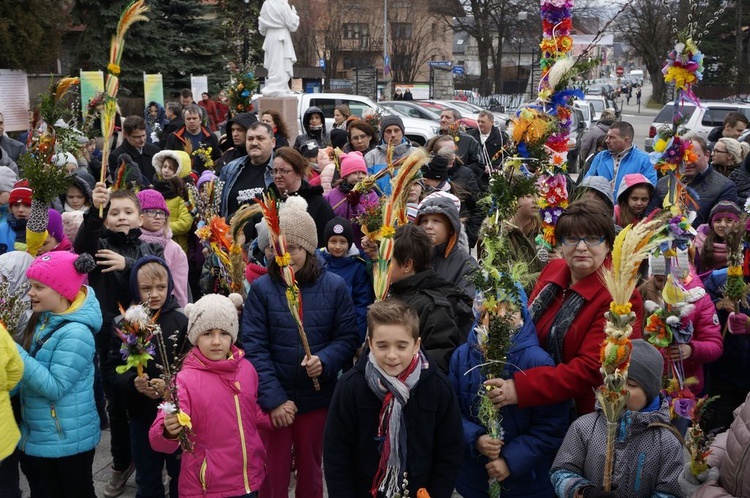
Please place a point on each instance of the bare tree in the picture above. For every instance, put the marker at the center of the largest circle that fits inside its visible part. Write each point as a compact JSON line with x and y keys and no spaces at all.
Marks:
{"x":413,"y":37}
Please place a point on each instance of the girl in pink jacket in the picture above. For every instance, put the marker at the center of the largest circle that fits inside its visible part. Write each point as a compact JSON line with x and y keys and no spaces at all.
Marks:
{"x":218,"y":389}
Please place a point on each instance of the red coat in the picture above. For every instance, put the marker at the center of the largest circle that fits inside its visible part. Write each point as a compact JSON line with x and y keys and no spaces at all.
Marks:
{"x":211,"y":112}
{"x":578,"y":374}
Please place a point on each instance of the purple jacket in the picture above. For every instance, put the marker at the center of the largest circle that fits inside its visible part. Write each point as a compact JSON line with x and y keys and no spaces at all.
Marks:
{"x":221,"y":398}
{"x":350,"y":211}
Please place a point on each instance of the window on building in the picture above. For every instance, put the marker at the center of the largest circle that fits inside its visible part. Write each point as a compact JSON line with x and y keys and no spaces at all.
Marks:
{"x":356,"y":31}
{"x":401,"y":30}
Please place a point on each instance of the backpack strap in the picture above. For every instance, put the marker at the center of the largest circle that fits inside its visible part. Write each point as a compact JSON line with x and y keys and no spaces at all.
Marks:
{"x":47,"y":336}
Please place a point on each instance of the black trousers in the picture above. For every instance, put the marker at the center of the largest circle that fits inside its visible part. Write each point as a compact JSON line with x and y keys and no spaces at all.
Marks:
{"x":68,"y":477}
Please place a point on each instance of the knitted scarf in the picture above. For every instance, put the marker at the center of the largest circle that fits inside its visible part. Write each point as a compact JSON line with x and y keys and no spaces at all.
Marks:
{"x":564,"y":317}
{"x":394,"y":393}
{"x":345,"y":186}
{"x":160,"y":237}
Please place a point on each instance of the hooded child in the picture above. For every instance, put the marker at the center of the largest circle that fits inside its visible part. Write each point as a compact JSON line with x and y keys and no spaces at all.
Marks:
{"x":172,"y":171}
{"x":13,"y":228}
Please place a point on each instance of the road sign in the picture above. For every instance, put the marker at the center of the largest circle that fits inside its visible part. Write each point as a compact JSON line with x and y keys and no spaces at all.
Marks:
{"x":440,"y":63}
{"x":322,"y":63}
{"x":458,"y":70}
{"x":620,"y":71}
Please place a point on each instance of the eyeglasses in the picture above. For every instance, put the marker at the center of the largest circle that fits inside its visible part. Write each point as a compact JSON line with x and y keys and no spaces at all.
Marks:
{"x":282,"y":172}
{"x":155,"y":213}
{"x":293,"y":249}
{"x":715,"y":151}
{"x":358,"y":138}
{"x":589,"y":240}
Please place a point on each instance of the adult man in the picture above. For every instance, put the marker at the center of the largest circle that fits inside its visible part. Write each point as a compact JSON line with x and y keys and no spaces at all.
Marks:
{"x":733,"y":126}
{"x":194,"y":136}
{"x":710,"y":185}
{"x":247,"y":177}
{"x":237,"y":130}
{"x":14,"y":148}
{"x":136,"y":146}
{"x":490,"y":139}
{"x":173,"y":112}
{"x":467,"y":149}
{"x":621,"y":157}
{"x":276,"y":22}
{"x":392,"y":129}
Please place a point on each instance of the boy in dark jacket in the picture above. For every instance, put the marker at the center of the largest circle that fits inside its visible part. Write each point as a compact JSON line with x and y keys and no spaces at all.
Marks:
{"x":151,"y":284}
{"x":114,"y":241}
{"x":343,"y":259}
{"x":437,"y":302}
{"x":531,"y":435}
{"x":417,"y":442}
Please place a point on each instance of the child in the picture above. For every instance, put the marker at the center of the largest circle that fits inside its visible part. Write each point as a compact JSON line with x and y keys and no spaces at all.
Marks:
{"x":438,"y":215}
{"x":155,"y":231}
{"x":343,"y":259}
{"x":445,"y":314}
{"x":218,"y":389}
{"x":11,"y":372}
{"x":648,"y":454}
{"x":150,"y":283}
{"x":8,"y":178}
{"x":344,"y":201}
{"x":270,"y":336}
{"x":114,"y":241}
{"x":60,"y":425}
{"x":172,"y":166}
{"x":393,"y":413}
{"x":531,"y":435}
{"x":710,"y":247}
{"x":633,"y":198}
{"x":77,"y":197}
{"x":56,"y":239}
{"x":13,"y":229}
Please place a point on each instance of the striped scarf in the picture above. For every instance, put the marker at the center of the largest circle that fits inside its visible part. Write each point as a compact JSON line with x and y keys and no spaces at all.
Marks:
{"x":394,"y":393}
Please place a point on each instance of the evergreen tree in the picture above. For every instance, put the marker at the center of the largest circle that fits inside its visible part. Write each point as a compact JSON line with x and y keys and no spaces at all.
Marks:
{"x":30,"y":34}
{"x":182,"y":37}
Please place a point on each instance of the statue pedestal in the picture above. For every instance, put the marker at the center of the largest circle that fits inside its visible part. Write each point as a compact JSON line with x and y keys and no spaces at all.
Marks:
{"x":288,"y":108}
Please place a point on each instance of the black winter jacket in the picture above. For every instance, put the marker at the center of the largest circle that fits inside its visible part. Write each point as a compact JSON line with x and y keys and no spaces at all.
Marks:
{"x":317,"y":206}
{"x":435,"y":300}
{"x":469,"y":152}
{"x":741,"y":178}
{"x":434,"y":436}
{"x":471,"y":214}
{"x":143,"y":160}
{"x":139,"y":406}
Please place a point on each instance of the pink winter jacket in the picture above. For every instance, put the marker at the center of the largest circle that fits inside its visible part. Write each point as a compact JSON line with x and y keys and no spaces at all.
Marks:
{"x":175,"y":258}
{"x":706,"y":342}
{"x":731,"y":454}
{"x":221,"y":399}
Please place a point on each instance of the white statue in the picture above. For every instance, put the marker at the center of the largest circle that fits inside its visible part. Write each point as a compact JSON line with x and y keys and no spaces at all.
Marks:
{"x":276,"y":22}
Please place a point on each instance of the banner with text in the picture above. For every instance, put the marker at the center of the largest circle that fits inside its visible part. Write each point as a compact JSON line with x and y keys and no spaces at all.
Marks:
{"x":153,"y":88}
{"x":14,"y":99}
{"x":198,"y":84}
{"x":92,"y":84}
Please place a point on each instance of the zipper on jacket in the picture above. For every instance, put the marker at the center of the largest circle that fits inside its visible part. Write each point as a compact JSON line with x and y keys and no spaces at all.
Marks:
{"x":202,"y":473}
{"x":242,"y":441}
{"x":639,"y":472}
{"x":738,"y":475}
{"x":53,"y":412}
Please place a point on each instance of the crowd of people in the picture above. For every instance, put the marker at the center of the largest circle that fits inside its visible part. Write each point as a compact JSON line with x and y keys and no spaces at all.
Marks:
{"x":387,"y":401}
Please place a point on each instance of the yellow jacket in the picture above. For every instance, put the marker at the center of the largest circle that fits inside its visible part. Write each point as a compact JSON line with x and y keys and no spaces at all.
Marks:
{"x":180,"y":221}
{"x":11,"y":372}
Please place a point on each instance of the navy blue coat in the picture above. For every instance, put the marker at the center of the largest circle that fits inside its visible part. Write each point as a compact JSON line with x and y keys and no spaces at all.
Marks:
{"x":353,"y":270}
{"x":733,"y":366}
{"x":532,"y":435}
{"x":272,"y":342}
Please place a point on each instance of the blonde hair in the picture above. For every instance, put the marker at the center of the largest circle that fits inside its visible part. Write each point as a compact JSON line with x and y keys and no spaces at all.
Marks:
{"x":153,"y":270}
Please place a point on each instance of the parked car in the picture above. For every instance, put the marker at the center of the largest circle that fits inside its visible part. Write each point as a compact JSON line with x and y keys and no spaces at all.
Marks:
{"x":417,"y":130}
{"x":577,"y":129}
{"x":600,"y":103}
{"x":440,"y":106}
{"x":587,"y":110}
{"x":698,"y":120}
{"x":412,"y":109}
{"x":501,"y":119}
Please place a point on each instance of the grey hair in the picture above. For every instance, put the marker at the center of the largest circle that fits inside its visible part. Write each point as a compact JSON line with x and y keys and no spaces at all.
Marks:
{"x":191,"y":109}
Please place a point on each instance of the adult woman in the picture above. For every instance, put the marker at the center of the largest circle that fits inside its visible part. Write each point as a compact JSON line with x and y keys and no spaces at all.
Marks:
{"x":361,"y":138}
{"x":290,"y":178}
{"x":567,"y":307}
{"x":727,"y":154}
{"x":280,"y":132}
{"x":211,"y":112}
{"x":340,"y":114}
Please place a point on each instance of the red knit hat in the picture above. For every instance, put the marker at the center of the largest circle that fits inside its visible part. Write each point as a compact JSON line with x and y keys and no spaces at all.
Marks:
{"x":21,"y":193}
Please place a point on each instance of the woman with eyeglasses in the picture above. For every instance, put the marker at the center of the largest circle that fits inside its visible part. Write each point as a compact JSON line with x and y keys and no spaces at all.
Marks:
{"x":362,"y":138}
{"x":728,"y":154}
{"x":290,"y":173}
{"x":568,"y":306}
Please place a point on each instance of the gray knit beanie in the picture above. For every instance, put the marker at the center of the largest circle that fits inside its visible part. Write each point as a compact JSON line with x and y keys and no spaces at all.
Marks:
{"x":8,"y":178}
{"x":646,"y":368}
{"x":297,"y":225}
{"x":213,"y":311}
{"x":389,"y":120}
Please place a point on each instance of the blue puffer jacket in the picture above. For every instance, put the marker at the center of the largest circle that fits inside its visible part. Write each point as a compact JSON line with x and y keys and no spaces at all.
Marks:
{"x":733,"y":366}
{"x":377,"y":159}
{"x":353,"y":269}
{"x":59,"y":416}
{"x":532,"y":435}
{"x":272,"y":342}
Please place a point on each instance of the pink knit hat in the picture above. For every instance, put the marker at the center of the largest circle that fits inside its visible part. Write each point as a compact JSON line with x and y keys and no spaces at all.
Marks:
{"x":62,"y":271}
{"x":152,"y":199}
{"x":353,"y":162}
